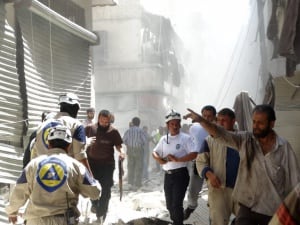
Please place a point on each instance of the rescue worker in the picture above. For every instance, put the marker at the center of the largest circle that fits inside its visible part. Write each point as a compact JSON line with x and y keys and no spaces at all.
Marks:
{"x":173,"y":152}
{"x":69,"y":107}
{"x":51,"y":183}
{"x":219,"y":164}
{"x":27,"y":152}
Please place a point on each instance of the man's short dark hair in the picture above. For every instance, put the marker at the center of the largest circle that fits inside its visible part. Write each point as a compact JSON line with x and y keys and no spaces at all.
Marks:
{"x":90,"y":110}
{"x":267,"y":109}
{"x":209,"y":108}
{"x":227,"y":112}
{"x":68,"y":108}
{"x":136,"y":121}
{"x":105,"y":113}
{"x":59,"y":144}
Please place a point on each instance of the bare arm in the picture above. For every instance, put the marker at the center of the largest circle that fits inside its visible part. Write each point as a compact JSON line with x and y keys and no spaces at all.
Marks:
{"x":85,"y":162}
{"x":120,"y":150}
{"x":189,"y":157}
{"x":157,"y":157}
{"x":213,"y":179}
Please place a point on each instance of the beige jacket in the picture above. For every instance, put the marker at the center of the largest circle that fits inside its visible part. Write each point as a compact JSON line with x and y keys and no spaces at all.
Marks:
{"x":78,"y":136}
{"x":47,"y":181}
{"x":214,"y":159}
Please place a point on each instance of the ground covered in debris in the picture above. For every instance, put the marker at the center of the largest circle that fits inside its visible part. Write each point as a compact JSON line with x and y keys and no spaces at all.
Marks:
{"x":145,"y":206}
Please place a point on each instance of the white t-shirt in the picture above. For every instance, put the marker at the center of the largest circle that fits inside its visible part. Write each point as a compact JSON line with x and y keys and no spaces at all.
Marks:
{"x":178,"y":145}
{"x":198,"y":135}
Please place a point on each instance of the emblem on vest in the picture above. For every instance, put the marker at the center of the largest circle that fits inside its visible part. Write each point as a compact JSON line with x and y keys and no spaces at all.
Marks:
{"x":51,"y":174}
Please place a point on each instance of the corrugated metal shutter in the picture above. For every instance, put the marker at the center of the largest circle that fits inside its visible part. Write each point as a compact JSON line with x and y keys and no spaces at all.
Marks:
{"x":39,"y":60}
{"x":55,"y":61}
{"x":11,"y":116}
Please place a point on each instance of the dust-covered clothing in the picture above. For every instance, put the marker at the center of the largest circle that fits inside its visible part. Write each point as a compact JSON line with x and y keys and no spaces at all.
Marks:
{"x":47,"y":181}
{"x":223,"y":161}
{"x":102,"y":151}
{"x":275,"y":173}
{"x":102,"y":162}
{"x":135,"y":140}
{"x":77,"y":150}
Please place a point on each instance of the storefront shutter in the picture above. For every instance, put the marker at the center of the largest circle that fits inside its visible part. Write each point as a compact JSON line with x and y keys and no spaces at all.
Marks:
{"x":11,"y":111}
{"x":55,"y":61}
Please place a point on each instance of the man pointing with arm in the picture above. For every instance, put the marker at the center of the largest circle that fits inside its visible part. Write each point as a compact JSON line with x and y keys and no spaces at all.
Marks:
{"x":268,"y":166}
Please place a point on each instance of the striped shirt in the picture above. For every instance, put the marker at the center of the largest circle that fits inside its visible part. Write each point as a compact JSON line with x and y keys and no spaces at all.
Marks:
{"x":135,"y":137}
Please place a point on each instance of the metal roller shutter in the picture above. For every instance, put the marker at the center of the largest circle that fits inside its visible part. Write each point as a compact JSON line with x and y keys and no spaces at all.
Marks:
{"x":11,"y":111}
{"x":38,"y":61}
{"x":55,"y":61}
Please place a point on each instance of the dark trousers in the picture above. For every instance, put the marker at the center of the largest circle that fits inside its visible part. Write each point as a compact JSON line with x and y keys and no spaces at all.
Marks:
{"x":104,"y":174}
{"x":247,"y":217}
{"x":175,"y":186}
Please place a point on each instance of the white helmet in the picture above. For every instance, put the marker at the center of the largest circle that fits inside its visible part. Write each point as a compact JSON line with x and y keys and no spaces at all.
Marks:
{"x":69,"y":98}
{"x":172,"y":115}
{"x":60,"y":132}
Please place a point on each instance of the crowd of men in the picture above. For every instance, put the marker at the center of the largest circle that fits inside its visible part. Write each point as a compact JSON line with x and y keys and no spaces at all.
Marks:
{"x":251,"y":175}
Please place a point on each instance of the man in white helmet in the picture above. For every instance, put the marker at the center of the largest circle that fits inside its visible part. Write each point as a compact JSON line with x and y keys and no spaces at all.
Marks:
{"x":173,"y":152}
{"x":51,"y":183}
{"x":69,"y":107}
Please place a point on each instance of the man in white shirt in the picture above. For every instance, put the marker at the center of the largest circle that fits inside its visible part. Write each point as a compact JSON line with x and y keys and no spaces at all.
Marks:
{"x":173,"y":152}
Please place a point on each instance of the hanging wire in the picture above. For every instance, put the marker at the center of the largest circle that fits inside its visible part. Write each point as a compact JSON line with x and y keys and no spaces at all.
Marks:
{"x":20,"y":121}
{"x":293,"y":85}
{"x":82,"y":83}
{"x":290,"y":83}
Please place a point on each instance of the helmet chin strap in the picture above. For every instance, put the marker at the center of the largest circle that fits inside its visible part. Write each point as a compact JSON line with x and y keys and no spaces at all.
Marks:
{"x":168,"y":137}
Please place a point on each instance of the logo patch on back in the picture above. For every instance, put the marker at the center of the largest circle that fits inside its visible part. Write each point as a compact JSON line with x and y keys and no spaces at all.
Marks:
{"x":51,"y":174}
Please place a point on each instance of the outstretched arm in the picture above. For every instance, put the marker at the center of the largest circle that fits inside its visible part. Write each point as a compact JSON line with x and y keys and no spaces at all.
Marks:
{"x":210,"y":127}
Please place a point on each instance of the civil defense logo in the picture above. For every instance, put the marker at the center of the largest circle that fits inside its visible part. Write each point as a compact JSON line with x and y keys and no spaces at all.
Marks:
{"x":51,"y":174}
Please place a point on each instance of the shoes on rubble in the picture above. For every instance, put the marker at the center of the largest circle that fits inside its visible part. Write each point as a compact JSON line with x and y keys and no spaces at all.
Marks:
{"x":187,"y":212}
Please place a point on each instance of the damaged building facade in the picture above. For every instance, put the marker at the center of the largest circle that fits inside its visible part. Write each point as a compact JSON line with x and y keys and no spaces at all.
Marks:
{"x":137,"y":65}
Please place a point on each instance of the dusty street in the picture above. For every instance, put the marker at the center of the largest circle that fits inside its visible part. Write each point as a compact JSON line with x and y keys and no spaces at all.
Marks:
{"x":146,"y":202}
